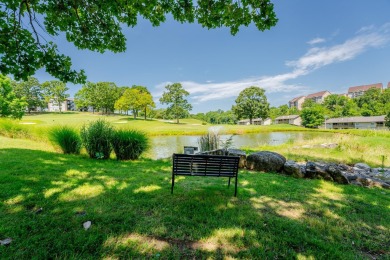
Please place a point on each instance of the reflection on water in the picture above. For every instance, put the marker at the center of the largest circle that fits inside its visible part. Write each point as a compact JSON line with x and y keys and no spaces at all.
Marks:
{"x":165,"y":146}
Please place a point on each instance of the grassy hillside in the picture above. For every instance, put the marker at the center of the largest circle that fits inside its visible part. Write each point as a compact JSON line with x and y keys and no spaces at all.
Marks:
{"x":46,"y":197}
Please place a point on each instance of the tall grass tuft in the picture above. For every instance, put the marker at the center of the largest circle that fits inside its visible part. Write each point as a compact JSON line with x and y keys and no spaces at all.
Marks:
{"x":129,"y":144}
{"x":96,"y":138}
{"x":212,"y":140}
{"x":67,"y":138}
{"x":208,"y":142}
{"x":13,"y":129}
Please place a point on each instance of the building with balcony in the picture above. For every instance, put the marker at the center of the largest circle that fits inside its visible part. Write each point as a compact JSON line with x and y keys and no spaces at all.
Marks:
{"x":354,"y":92}
{"x":297,"y":102}
{"x":318,"y":97}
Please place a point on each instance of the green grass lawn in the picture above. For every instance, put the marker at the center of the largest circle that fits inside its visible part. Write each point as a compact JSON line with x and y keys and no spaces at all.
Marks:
{"x":134,"y":215}
{"x":40,"y":122}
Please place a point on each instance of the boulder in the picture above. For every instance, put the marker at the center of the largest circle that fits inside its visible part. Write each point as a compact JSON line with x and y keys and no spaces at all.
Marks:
{"x":363,"y":166}
{"x":315,"y":170}
{"x":294,"y":169}
{"x":241,"y":154}
{"x":334,"y":171}
{"x":265,"y":161}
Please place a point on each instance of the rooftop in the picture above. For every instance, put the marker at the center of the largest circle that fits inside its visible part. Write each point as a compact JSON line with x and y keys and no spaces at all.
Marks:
{"x":296,"y":99}
{"x":287,"y":117}
{"x":318,"y":94}
{"x":365,"y":87}
{"x":357,"y":119}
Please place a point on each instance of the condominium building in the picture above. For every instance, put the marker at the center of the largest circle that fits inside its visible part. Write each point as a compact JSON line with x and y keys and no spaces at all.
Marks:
{"x":296,"y":102}
{"x":319,"y":96}
{"x":354,"y":92}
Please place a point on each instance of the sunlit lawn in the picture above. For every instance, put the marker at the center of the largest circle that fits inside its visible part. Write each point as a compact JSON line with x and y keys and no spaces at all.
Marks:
{"x":134,"y":215}
{"x":40,"y":122}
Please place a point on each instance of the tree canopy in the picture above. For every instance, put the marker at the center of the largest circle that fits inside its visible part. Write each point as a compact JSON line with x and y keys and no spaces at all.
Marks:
{"x":135,"y":98}
{"x":31,"y":91}
{"x":251,"y":103}
{"x":175,"y":98}
{"x":97,"y":25}
{"x":55,"y":91}
{"x":10,"y":105}
{"x":313,"y":116}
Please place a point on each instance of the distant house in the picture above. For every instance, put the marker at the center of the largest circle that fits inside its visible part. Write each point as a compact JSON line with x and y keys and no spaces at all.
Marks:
{"x":354,"y":92}
{"x":297,"y":102}
{"x":256,"y":121}
{"x":244,"y":122}
{"x":67,"y":105}
{"x":260,"y":121}
{"x":292,"y":120}
{"x":388,"y":85}
{"x":356,"y":122}
{"x":319,"y":96}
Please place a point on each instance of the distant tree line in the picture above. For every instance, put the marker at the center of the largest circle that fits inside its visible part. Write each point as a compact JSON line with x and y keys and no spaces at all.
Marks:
{"x":16,"y":97}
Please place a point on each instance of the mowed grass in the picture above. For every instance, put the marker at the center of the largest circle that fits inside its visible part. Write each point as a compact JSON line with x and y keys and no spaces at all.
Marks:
{"x":46,"y":197}
{"x":40,"y":122}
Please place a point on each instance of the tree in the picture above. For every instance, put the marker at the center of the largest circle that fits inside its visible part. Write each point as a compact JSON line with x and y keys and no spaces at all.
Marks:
{"x":97,"y":25}
{"x":10,"y":105}
{"x":55,"y":91}
{"x":31,"y":91}
{"x":122,"y":104}
{"x":146,"y":102}
{"x":340,"y":106}
{"x":387,"y":120}
{"x":251,"y":103}
{"x":174,"y":97}
{"x":141,"y":99}
{"x":370,"y":103}
{"x":106,"y":94}
{"x":313,"y":116}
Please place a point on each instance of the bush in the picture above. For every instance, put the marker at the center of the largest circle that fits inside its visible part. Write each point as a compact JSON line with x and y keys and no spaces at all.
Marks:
{"x":96,"y":138}
{"x":66,"y":138}
{"x":129,"y":144}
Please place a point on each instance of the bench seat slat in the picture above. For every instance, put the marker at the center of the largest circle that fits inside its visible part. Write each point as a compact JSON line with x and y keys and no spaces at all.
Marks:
{"x":205,"y":165}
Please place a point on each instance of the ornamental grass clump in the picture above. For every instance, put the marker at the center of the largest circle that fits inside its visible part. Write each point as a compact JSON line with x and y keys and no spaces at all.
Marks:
{"x":66,"y":138}
{"x":129,"y":144}
{"x":96,"y":138}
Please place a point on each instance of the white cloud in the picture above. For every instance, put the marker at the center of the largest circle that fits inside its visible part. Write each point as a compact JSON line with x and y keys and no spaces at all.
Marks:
{"x":315,"y":58}
{"x":316,"y":41}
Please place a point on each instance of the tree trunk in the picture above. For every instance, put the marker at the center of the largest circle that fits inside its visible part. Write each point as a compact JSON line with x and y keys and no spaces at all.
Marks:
{"x":145,"y":113}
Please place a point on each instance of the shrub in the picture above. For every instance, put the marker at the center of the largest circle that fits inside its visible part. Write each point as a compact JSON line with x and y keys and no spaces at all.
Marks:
{"x":66,"y":138}
{"x":96,"y":138}
{"x":129,"y":144}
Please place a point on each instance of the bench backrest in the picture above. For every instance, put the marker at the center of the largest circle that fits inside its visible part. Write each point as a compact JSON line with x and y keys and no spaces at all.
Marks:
{"x":205,"y":165}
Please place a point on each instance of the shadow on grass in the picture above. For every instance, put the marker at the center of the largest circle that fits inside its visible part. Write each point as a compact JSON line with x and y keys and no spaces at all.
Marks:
{"x":134,"y":215}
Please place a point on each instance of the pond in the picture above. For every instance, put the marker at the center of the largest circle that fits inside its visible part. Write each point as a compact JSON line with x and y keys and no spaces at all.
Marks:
{"x":165,"y":146}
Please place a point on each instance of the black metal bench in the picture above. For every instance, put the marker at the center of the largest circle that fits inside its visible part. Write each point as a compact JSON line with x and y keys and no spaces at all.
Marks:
{"x":205,"y":165}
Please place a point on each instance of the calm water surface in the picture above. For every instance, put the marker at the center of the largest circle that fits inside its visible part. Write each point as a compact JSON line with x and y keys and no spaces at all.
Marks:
{"x":165,"y":146}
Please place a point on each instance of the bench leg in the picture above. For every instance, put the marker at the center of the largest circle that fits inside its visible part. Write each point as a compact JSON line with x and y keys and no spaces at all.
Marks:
{"x":173,"y":182}
{"x":229,"y":183}
{"x":235,"y":187}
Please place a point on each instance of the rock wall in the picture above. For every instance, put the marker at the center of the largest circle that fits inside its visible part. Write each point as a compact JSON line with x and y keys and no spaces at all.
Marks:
{"x":359,"y":174}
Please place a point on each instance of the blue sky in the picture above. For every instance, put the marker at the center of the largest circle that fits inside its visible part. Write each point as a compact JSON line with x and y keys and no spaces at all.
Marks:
{"x":316,"y":45}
